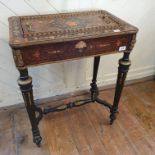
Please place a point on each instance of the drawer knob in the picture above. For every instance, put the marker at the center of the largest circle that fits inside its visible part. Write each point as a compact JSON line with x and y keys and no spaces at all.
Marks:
{"x":80,"y":45}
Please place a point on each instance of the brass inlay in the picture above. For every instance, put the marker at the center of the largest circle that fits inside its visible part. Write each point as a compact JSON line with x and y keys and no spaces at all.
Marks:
{"x":71,"y":23}
{"x":78,"y":103}
{"x":62,"y":107}
{"x":24,"y":82}
{"x":81,"y":45}
{"x":54,"y":52}
{"x":104,"y":45}
{"x":29,"y":27}
{"x":18,"y":58}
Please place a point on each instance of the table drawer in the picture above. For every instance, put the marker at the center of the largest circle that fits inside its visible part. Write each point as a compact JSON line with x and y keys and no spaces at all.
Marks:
{"x":74,"y":49}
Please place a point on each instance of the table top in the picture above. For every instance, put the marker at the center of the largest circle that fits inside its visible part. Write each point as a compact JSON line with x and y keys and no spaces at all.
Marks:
{"x":53,"y":28}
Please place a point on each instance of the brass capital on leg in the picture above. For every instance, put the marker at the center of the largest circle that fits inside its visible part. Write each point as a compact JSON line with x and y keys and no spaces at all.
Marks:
{"x":25,"y":82}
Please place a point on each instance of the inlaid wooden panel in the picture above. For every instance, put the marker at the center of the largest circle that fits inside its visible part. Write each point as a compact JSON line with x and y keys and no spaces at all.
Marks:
{"x":53,"y":28}
{"x":75,"y":49}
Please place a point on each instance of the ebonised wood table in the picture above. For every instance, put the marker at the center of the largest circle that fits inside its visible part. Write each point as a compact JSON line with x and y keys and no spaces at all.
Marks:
{"x":43,"y":39}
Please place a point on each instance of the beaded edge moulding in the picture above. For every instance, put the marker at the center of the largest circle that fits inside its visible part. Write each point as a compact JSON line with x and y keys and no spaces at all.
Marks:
{"x":39,"y":29}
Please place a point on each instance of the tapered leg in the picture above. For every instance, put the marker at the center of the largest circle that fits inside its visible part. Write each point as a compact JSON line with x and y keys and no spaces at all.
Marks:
{"x":25,"y":83}
{"x":94,"y":89}
{"x":123,"y":68}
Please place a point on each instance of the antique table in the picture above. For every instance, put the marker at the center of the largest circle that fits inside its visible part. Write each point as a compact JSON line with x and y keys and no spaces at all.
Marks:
{"x":43,"y":39}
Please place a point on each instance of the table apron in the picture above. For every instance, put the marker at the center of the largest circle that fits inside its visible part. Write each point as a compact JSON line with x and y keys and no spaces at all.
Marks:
{"x":48,"y":53}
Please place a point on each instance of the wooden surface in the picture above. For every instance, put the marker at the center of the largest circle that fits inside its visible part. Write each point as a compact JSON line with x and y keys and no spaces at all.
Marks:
{"x":85,"y":130}
{"x":51,"y":28}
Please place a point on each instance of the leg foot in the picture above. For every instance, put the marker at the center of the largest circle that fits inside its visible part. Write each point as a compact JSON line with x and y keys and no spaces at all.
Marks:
{"x":36,"y":137}
{"x":113,"y":112}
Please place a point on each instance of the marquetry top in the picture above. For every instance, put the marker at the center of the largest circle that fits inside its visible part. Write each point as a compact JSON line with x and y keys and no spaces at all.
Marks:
{"x":52,"y":28}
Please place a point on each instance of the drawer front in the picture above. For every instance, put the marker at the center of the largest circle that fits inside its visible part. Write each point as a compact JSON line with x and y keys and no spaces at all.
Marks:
{"x":70,"y":50}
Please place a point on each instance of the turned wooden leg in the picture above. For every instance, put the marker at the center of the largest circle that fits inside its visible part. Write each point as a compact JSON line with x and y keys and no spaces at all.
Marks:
{"x":25,"y":83}
{"x":123,"y":68}
{"x":94,"y":89}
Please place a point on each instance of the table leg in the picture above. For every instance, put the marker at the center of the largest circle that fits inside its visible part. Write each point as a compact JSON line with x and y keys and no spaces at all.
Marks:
{"x":94,"y":89}
{"x":123,"y":68}
{"x":25,"y":83}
